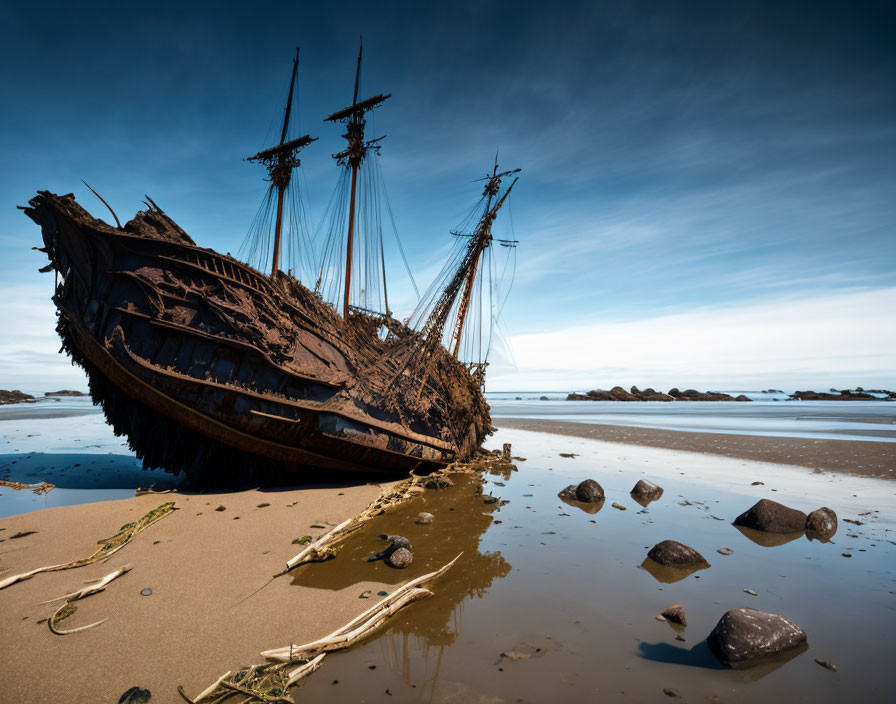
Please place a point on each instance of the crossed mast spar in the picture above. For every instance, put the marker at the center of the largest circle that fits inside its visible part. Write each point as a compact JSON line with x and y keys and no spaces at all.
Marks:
{"x":352,"y":156}
{"x":465,"y":276}
{"x":280,"y":161}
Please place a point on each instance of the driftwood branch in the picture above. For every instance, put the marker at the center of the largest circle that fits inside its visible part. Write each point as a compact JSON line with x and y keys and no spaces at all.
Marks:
{"x":67,"y":609}
{"x":271,"y":682}
{"x":109,"y":546}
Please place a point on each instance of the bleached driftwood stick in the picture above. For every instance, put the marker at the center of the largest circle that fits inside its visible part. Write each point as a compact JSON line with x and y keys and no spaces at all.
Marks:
{"x":94,"y":587}
{"x":317,"y":549}
{"x":304,"y":670}
{"x":363,"y":624}
{"x":67,"y":609}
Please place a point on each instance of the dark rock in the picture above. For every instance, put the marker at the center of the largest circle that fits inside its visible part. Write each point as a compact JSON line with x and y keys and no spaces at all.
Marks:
{"x":400,"y":558}
{"x":672,"y":692}
{"x":675,"y":614}
{"x":826,"y":664}
{"x":396,"y":542}
{"x":741,"y":397}
{"x":589,"y":492}
{"x":724,"y":551}
{"x":644,"y":492}
{"x":772,"y":517}
{"x":490,"y":499}
{"x":743,"y":637}
{"x":673,"y":554}
{"x":821,"y":524}
{"x":64,"y":392}
{"x":543,"y":398}
{"x":424,"y":518}
{"x":135,"y":695}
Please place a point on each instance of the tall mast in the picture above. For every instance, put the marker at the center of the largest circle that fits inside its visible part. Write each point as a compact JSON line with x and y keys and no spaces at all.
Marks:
{"x":465,"y":275}
{"x":353,"y":155}
{"x":280,"y":161}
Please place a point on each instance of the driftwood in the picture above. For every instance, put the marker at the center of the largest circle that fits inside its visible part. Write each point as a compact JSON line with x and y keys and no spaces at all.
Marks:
{"x":271,"y":682}
{"x":109,"y":545}
{"x":67,"y":609}
{"x":38,"y":489}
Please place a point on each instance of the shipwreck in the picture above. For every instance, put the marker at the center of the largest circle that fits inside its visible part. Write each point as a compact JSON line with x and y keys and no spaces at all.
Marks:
{"x":213,"y":368}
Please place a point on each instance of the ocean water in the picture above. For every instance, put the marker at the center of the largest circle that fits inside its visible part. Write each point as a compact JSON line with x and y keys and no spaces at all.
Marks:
{"x":851,"y":420}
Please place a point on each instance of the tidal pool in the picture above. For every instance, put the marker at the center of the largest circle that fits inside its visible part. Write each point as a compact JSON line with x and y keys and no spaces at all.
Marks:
{"x":551,"y":603}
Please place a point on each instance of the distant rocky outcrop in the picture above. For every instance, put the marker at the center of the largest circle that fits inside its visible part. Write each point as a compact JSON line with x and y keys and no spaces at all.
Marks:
{"x":65,"y":392}
{"x":857,"y":394}
{"x":617,"y":393}
{"x":14,"y":397}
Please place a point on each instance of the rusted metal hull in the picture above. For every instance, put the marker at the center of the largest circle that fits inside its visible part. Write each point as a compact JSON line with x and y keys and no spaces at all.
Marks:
{"x":212,"y":368}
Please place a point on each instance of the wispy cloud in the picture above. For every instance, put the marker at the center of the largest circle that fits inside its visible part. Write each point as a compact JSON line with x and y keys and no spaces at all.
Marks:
{"x":849,"y":337}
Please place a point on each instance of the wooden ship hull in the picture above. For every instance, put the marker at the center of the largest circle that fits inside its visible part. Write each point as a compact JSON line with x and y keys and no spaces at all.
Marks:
{"x":211,"y":368}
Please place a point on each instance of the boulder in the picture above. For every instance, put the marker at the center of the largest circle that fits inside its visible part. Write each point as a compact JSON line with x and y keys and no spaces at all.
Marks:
{"x":424,"y":518}
{"x":772,"y":517}
{"x":673,"y":554}
{"x":400,"y":558}
{"x":745,"y":637}
{"x":588,"y":492}
{"x":821,"y":524}
{"x":644,"y":492}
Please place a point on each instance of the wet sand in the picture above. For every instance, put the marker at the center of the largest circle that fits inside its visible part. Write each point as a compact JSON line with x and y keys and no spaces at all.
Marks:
{"x":547,"y":603}
{"x":857,"y":457}
{"x":205,"y":614}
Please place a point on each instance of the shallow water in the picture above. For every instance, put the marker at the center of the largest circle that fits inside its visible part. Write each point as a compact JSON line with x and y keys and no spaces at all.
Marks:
{"x":565,"y":588}
{"x":841,"y":420}
{"x":67,"y":443}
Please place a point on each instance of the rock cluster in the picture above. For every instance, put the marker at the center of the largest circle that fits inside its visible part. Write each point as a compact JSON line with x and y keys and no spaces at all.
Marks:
{"x":858,"y":394}
{"x":14,"y":397}
{"x":617,"y":393}
{"x":771,"y":517}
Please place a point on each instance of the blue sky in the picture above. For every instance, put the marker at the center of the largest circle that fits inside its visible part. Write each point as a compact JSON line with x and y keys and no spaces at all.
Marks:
{"x":688,"y":163}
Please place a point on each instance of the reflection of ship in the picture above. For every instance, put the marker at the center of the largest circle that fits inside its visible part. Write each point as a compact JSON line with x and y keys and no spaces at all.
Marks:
{"x":461,"y":518}
{"x":211,"y":367}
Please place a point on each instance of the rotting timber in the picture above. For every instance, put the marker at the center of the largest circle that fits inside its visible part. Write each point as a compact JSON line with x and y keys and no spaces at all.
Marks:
{"x":212,"y":368}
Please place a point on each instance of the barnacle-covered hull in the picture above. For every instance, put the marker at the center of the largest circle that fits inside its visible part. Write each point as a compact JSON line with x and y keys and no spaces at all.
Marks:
{"x":211,"y":368}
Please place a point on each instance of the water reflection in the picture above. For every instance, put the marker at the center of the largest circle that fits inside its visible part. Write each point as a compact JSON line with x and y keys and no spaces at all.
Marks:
{"x":460,"y":518}
{"x":769,"y":540}
{"x":584,"y":506}
{"x":668,"y":575}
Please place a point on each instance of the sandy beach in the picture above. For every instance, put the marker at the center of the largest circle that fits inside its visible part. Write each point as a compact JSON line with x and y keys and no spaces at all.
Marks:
{"x":858,"y":457}
{"x":213,"y":605}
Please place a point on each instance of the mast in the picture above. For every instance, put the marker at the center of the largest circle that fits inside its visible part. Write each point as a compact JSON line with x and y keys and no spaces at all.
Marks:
{"x":352,"y":156}
{"x":280,"y":162}
{"x":465,"y":275}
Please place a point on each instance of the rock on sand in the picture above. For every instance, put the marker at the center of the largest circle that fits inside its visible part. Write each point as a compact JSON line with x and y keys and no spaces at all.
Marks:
{"x":673,"y":554}
{"x":821,"y":524}
{"x":772,"y":517}
{"x":743,"y":637}
{"x":589,"y":492}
